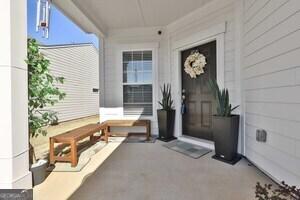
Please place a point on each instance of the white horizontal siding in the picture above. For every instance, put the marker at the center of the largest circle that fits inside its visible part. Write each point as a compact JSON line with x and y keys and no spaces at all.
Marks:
{"x":212,"y":14}
{"x":271,"y":71}
{"x":215,"y":13}
{"x":78,"y":64}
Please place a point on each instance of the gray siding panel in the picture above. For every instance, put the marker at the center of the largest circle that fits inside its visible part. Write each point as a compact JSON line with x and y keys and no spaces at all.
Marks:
{"x":79,"y":65}
{"x":271,"y":54}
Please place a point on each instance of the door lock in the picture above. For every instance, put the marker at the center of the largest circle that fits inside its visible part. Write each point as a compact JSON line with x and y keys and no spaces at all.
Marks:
{"x":183,"y":106}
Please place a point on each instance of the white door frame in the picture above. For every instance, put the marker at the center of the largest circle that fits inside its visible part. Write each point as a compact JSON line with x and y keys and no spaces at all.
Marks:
{"x":215,"y":33}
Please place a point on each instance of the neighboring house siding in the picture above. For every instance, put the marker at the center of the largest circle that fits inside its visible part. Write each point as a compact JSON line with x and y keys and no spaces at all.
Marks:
{"x":78,"y":64}
{"x":271,"y":71}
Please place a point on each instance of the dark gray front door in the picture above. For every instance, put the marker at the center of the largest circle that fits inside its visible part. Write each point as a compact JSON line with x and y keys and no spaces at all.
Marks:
{"x":197,"y":118}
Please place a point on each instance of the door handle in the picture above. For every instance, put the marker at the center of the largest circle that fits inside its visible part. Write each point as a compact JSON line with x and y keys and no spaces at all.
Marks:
{"x":183,"y":98}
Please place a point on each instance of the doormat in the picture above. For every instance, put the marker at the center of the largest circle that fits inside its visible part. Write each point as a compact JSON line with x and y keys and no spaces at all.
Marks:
{"x":187,"y":149}
{"x":138,"y":138}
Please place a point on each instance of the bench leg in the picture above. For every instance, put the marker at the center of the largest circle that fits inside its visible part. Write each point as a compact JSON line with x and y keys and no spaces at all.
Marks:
{"x":105,"y":135}
{"x":148,"y":131}
{"x":108,"y":130}
{"x":51,"y":151}
{"x":73,"y":154}
{"x":92,"y":139}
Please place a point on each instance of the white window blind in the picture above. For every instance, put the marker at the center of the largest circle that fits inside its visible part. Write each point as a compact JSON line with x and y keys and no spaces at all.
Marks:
{"x":137,"y":82}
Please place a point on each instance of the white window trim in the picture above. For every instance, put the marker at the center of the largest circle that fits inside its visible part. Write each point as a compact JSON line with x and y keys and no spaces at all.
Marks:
{"x":143,"y":47}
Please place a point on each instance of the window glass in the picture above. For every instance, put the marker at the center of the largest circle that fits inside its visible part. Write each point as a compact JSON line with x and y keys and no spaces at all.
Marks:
{"x":137,"y":82}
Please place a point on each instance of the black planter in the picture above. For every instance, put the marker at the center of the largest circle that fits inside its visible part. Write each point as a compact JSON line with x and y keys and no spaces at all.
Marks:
{"x":225,"y":134}
{"x":166,"y":124}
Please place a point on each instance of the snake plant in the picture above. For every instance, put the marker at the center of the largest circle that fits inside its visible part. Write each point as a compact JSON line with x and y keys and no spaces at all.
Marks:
{"x":224,"y":108}
{"x":166,"y":102}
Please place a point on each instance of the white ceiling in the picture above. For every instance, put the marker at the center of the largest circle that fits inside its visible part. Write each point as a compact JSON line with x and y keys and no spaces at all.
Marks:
{"x":116,"y":14}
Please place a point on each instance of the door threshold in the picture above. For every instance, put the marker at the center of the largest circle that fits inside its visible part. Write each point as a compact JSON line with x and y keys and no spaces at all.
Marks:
{"x":197,"y":141}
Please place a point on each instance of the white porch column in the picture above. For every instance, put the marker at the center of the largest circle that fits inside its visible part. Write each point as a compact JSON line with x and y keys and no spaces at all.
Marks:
{"x":14,"y":159}
{"x":101,"y":72}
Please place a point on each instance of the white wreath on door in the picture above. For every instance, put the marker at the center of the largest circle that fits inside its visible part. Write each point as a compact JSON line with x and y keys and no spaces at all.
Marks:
{"x":194,"y":64}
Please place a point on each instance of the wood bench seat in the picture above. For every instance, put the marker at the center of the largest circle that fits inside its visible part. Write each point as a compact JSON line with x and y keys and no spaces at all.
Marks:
{"x":128,"y":123}
{"x":71,"y":138}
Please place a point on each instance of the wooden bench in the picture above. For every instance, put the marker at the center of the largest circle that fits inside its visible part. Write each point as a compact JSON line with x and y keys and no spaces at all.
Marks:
{"x":72,"y":137}
{"x":128,"y":123}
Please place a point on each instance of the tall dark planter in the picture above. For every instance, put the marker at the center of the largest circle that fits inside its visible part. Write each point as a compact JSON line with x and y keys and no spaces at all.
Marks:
{"x":166,"y":121}
{"x":226,"y":133}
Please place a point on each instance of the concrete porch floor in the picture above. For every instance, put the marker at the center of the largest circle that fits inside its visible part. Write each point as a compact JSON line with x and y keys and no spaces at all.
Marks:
{"x":153,"y":172}
{"x":61,"y":185}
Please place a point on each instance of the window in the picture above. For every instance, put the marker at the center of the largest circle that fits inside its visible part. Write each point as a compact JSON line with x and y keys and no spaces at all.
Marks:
{"x":137,"y":82}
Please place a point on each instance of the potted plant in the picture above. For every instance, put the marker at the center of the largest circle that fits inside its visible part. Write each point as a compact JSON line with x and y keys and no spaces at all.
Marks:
{"x":42,"y":93}
{"x":166,"y":115}
{"x":225,"y":126}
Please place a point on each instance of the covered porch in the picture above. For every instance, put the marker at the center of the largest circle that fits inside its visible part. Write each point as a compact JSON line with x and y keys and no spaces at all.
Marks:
{"x":256,"y":59}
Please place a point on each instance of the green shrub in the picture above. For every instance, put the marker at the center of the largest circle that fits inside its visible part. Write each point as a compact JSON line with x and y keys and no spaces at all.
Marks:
{"x":42,"y":91}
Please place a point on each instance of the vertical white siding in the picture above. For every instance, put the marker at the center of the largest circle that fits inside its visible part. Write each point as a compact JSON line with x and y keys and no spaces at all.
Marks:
{"x":79,"y":65}
{"x":271,"y":71}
